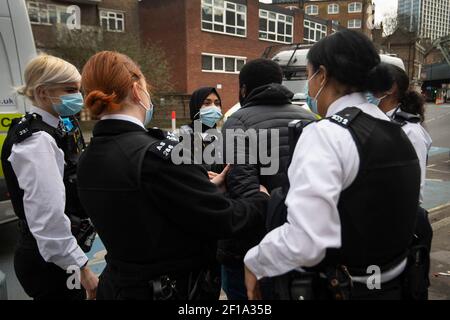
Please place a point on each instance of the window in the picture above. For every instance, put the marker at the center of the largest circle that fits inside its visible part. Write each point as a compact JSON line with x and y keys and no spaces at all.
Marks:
{"x":112,"y":21}
{"x":275,"y":27}
{"x":224,"y":17}
{"x":355,"y":7}
{"x":222,"y":63}
{"x":312,"y":10}
{"x":354,"y":24}
{"x":46,"y":14}
{"x":333,"y":8}
{"x":313,"y":31}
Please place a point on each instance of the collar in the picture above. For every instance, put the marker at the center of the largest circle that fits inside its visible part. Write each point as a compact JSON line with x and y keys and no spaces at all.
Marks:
{"x":47,"y":117}
{"x":123,"y":117}
{"x":358,"y":100}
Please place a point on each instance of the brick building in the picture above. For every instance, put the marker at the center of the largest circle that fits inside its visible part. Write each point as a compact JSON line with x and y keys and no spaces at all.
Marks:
{"x":208,"y":41}
{"x":98,"y":19}
{"x":408,"y":47}
{"x":350,"y":14}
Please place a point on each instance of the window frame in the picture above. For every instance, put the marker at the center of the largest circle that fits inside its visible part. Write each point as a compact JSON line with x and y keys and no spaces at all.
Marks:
{"x":111,"y":14}
{"x":354,"y":25}
{"x":312,"y":13}
{"x":277,"y":20}
{"x":333,"y":5}
{"x":354,"y":4}
{"x":239,"y":10}
{"x":323,"y":30}
{"x":224,"y":58}
{"x":52,"y":11}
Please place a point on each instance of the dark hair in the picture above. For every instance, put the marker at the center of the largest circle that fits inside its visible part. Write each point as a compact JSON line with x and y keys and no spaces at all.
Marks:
{"x":351,"y":59}
{"x":410,"y":101}
{"x":197,"y":99}
{"x":258,"y":73}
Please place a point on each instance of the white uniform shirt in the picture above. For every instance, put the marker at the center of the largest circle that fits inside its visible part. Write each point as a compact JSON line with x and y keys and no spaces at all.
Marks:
{"x":421,"y":140}
{"x":325,"y":162}
{"x":39,"y":166}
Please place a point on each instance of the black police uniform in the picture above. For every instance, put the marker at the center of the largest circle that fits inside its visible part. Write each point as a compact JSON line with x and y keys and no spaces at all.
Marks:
{"x":47,"y":280}
{"x":376,"y":229}
{"x":158,"y":221}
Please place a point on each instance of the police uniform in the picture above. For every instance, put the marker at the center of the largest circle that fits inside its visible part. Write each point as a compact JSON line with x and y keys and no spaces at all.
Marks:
{"x":157,"y":220}
{"x":419,"y":137}
{"x":354,"y":181}
{"x":421,"y":141}
{"x":35,"y":157}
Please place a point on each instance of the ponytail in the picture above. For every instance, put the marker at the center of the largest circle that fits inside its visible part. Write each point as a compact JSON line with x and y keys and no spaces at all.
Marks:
{"x":413,"y":102}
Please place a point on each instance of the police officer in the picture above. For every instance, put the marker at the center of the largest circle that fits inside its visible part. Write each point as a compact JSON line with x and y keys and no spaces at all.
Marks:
{"x":407,"y":108}
{"x":354,"y":182}
{"x":36,"y":157}
{"x":157,"y":220}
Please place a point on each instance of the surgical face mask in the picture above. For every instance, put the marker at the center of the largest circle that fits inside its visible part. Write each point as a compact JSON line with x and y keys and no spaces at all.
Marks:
{"x":312,"y":102}
{"x":148,"y":109}
{"x":374,"y":100}
{"x":70,"y":105}
{"x":210,"y":115}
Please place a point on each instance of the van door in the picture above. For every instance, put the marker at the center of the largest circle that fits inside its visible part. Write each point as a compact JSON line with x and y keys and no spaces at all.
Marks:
{"x":11,"y":106}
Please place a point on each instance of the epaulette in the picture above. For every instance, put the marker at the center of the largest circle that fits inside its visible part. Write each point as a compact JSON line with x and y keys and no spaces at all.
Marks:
{"x":345,"y":117}
{"x":23,"y":129}
{"x":163,"y":148}
{"x":402,"y":118}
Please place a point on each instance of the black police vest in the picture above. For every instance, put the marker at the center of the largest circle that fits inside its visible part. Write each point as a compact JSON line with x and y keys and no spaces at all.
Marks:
{"x":378,"y":211}
{"x":71,"y":144}
{"x":119,"y":198}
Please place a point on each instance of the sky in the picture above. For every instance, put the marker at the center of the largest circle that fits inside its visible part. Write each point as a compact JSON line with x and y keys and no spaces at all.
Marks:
{"x":383,"y":7}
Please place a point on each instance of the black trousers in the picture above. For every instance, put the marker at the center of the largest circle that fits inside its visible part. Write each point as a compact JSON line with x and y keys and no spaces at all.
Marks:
{"x":132,"y":285}
{"x":41,"y":280}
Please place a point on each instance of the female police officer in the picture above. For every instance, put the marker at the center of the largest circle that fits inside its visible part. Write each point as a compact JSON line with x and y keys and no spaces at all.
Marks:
{"x":157,"y":220}
{"x":33,"y":159}
{"x":407,"y":108}
{"x":354,"y":176}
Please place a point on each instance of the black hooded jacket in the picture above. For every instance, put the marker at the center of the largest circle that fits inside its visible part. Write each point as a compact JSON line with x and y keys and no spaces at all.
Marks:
{"x":267,"y":107}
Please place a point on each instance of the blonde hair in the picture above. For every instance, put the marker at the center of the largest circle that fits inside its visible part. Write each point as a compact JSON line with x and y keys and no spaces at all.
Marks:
{"x":47,"y":70}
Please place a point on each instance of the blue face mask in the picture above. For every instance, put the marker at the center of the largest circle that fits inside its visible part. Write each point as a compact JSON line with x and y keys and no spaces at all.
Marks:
{"x":70,"y":105}
{"x":312,"y":104}
{"x":210,"y":115}
{"x":374,"y":100}
{"x":148,"y":110}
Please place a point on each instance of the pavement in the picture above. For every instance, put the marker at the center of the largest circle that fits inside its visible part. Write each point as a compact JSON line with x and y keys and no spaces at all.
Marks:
{"x":436,"y":200}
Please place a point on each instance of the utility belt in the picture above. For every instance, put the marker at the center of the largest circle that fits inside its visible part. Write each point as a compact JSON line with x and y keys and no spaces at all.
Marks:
{"x":160,"y":281}
{"x":82,"y":229}
{"x":335,"y":283}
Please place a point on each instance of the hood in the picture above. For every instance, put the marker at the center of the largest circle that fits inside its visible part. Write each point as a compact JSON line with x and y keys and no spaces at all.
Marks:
{"x":271,"y":94}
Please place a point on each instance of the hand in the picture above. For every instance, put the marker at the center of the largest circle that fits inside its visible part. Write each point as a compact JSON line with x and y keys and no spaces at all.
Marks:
{"x":220,"y":179}
{"x":212,"y":175}
{"x":253,"y":290}
{"x":89,"y":281}
{"x":264,"y":190}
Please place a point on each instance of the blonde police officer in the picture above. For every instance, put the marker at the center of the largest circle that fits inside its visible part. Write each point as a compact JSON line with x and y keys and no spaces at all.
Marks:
{"x":33,"y":160}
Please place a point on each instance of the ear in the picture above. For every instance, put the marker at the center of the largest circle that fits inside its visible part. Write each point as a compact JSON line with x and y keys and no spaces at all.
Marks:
{"x":244,"y":91}
{"x":393,"y":90}
{"x":135,"y":93}
{"x":41,"y":93}
{"x":323,"y":74}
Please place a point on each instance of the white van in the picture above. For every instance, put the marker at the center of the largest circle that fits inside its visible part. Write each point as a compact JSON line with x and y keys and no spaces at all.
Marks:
{"x":293,"y":62}
{"x":16,"y":49}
